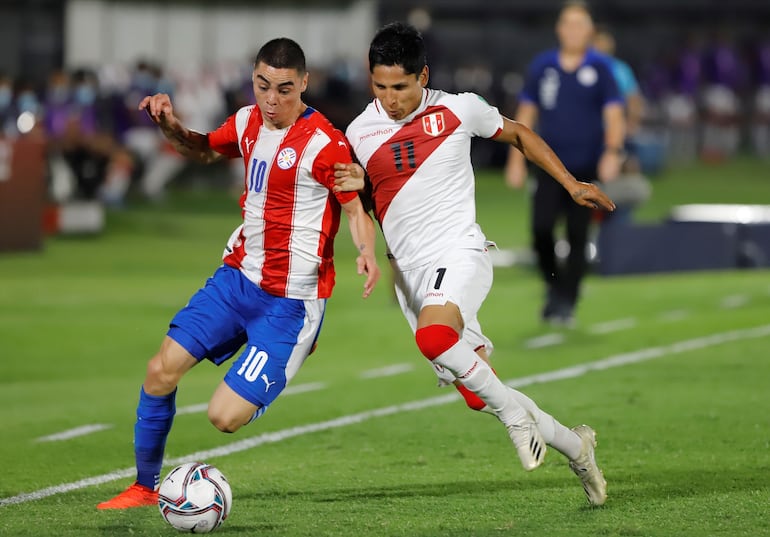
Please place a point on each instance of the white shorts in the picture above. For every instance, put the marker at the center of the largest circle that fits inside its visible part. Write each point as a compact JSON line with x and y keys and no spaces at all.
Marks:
{"x":462,"y":276}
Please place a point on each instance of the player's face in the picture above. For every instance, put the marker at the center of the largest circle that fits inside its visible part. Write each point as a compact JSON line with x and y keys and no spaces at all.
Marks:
{"x":574,"y":30}
{"x":604,"y":43}
{"x":399,"y":93}
{"x":279,"y":94}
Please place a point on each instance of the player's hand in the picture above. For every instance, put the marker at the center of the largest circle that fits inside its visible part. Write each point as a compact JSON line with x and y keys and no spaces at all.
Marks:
{"x":367,"y":264}
{"x":349,"y":177}
{"x":590,"y":195}
{"x":159,"y":108}
{"x":515,"y":173}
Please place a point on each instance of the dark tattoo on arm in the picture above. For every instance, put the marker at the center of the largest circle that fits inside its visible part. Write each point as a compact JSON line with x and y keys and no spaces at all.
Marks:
{"x":580,"y":193}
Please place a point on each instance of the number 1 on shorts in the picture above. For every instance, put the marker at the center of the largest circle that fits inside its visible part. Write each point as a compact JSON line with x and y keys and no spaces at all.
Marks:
{"x":439,"y":278}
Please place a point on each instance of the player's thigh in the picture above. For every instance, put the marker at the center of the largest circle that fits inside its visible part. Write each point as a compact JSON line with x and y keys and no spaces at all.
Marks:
{"x":458,"y":282}
{"x":408,"y":287}
{"x":279,"y":341}
{"x":211,"y":325}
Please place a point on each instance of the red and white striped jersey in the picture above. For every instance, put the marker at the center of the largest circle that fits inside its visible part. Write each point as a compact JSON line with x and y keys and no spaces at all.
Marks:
{"x":423,"y":185}
{"x":290,"y":215}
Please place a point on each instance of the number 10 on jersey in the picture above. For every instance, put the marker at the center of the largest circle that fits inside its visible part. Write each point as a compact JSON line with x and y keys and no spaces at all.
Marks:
{"x":257,"y":171}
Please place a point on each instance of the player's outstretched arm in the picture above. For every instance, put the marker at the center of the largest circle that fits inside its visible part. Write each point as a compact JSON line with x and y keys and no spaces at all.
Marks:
{"x":534,"y":148}
{"x":189,"y":143}
{"x":362,"y":231}
{"x":516,"y":166}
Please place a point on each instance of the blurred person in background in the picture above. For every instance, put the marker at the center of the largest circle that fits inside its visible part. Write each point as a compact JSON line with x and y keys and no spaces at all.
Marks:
{"x":159,"y":162}
{"x":8,"y":112}
{"x":628,"y":86}
{"x":570,"y":96}
{"x":723,"y":80}
{"x":80,"y":132}
{"x":8,"y":132}
{"x":680,"y":101}
{"x":631,"y":188}
{"x":760,"y":71}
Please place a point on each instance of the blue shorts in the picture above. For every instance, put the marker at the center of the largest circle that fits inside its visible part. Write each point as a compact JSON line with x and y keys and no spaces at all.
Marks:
{"x":230,"y":311}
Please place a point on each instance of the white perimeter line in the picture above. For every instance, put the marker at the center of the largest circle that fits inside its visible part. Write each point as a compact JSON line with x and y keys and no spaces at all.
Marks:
{"x":544,"y":341}
{"x":734,"y":301}
{"x":73,"y":433}
{"x":673,"y":316}
{"x":391,"y":370}
{"x":351,"y":419}
{"x":612,"y":326}
{"x":298,"y":388}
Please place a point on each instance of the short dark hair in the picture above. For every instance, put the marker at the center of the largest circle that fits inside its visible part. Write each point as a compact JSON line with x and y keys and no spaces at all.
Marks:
{"x":400,"y":44}
{"x":282,"y":53}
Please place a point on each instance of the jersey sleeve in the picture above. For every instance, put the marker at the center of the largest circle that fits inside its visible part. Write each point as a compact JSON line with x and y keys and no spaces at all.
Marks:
{"x":625,"y":78}
{"x":337,"y":150}
{"x":224,"y":140}
{"x":482,"y":119}
{"x":608,"y":85}
{"x":529,"y":91}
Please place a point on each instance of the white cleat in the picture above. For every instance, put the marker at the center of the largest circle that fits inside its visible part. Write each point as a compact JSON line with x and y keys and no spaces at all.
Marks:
{"x":529,"y":443}
{"x":586,"y":469}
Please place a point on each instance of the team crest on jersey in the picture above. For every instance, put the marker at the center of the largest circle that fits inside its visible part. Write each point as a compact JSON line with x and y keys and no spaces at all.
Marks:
{"x":433,"y":124}
{"x":286,"y":158}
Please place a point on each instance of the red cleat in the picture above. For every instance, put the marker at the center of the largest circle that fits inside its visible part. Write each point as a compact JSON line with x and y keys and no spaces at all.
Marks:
{"x":134,"y":496}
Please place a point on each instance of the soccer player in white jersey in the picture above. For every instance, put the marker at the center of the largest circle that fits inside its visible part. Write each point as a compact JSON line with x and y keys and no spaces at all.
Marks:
{"x":414,"y":144}
{"x":271,"y":291}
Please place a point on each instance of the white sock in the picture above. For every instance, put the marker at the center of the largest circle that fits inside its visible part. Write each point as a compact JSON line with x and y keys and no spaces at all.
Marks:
{"x":478,"y":377}
{"x":556,"y":435}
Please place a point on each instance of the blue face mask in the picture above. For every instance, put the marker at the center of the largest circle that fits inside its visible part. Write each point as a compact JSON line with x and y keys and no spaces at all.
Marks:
{"x":27,"y":102}
{"x":6,"y":95}
{"x":85,"y":95}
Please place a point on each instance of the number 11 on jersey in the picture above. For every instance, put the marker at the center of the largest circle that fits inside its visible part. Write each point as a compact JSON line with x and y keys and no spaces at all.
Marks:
{"x":398,"y":152}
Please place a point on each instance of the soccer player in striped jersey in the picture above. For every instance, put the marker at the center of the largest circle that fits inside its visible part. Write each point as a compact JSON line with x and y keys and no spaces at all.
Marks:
{"x":270,"y":293}
{"x":414,"y":144}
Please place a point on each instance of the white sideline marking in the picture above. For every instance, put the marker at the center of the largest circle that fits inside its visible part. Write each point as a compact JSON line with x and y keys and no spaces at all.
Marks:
{"x":73,"y":433}
{"x":734,"y":301}
{"x":612,"y":326}
{"x":389,"y":371}
{"x":289,"y":390}
{"x":617,"y":360}
{"x":303,"y":388}
{"x":544,"y":341}
{"x":673,"y":316}
{"x":192,"y":409}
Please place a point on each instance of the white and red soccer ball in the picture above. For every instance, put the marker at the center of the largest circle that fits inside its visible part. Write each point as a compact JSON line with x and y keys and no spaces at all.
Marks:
{"x":195,"y":497}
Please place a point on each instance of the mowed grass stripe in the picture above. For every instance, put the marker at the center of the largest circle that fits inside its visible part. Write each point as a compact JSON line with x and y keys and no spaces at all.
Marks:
{"x":618,"y":360}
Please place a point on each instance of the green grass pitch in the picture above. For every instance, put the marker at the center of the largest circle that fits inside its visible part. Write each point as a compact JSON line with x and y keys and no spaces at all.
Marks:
{"x":684,"y":434}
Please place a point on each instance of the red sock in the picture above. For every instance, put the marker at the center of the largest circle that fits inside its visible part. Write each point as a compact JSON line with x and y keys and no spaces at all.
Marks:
{"x":471,"y":399}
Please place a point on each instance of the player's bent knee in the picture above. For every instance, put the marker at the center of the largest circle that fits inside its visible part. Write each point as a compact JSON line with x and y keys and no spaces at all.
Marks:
{"x":229,"y":411}
{"x":226,"y":422}
{"x":435,"y":339}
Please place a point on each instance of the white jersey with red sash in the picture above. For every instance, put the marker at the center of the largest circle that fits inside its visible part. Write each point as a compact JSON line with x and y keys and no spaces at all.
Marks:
{"x":420,"y":169}
{"x":290,"y":216}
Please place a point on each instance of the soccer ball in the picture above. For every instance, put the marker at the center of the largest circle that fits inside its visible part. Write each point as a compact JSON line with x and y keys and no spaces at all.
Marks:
{"x":195,"y":497}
